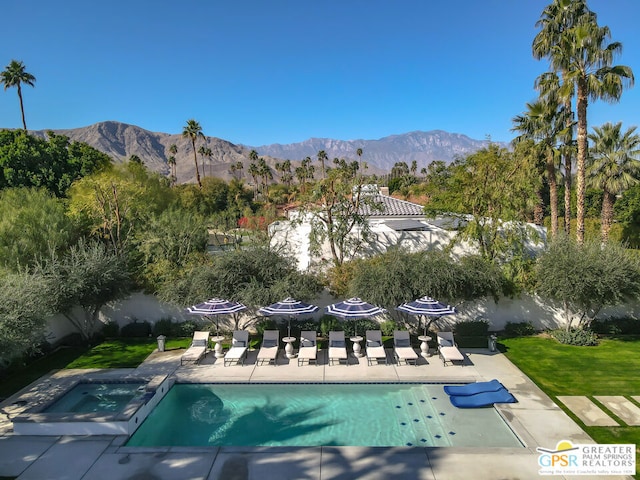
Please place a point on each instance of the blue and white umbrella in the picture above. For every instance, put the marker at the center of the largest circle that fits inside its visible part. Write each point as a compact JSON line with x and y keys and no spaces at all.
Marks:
{"x":216,"y":306}
{"x":428,"y":307}
{"x":354,"y":308}
{"x":289,"y":306}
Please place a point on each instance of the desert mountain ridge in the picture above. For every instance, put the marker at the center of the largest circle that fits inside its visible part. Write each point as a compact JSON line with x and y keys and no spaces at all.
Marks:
{"x":120,"y":141}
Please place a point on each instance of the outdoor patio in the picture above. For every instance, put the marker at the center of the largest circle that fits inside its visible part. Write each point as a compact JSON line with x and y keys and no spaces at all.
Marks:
{"x":536,"y":420}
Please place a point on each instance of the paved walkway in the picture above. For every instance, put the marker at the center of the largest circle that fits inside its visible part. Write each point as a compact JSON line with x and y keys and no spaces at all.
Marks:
{"x":593,"y":416}
{"x":535,"y":419}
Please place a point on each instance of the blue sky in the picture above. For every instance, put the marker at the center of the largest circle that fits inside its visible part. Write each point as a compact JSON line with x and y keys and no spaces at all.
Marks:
{"x":279,"y":71}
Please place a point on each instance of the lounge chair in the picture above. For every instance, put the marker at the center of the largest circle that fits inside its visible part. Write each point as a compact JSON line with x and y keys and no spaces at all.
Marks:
{"x":337,"y":347}
{"x":402,"y":349}
{"x":308,"y":347}
{"x":238,"y":351}
{"x":375,"y":348}
{"x":198,"y":348}
{"x":269,"y":350}
{"x":483,"y":399}
{"x":473,"y":388}
{"x":448,"y":350}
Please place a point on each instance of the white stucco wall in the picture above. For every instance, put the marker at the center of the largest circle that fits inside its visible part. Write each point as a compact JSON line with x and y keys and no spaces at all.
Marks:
{"x":525,"y":308}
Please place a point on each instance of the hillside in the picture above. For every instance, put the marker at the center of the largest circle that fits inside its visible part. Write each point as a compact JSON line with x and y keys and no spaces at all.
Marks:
{"x":120,"y":141}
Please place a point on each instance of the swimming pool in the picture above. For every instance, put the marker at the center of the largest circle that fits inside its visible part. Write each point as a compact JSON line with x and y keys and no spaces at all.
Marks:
{"x":88,"y":397}
{"x":304,"y":415}
{"x":92,"y":406}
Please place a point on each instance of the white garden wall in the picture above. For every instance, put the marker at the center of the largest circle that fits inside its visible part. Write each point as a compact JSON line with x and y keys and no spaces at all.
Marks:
{"x":525,"y":308}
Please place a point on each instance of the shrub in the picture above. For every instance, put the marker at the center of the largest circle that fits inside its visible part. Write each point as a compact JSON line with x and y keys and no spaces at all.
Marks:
{"x":328,"y":323}
{"x":472,"y":328}
{"x":266,"y":324}
{"x":519,"y":329}
{"x":616,"y":326}
{"x":136,"y":329}
{"x":576,"y":336}
{"x":184,"y":329}
{"x":164,"y":326}
{"x":350,"y":327}
{"x":111,"y":329}
{"x":387,"y":327}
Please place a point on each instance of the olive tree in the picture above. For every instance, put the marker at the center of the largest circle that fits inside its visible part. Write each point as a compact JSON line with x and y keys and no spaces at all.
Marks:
{"x":255,"y":277}
{"x":24,"y":309}
{"x":584,"y":278}
{"x":84,"y":280}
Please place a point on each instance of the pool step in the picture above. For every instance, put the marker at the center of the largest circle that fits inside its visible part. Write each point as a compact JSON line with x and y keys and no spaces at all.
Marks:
{"x":418,"y":416}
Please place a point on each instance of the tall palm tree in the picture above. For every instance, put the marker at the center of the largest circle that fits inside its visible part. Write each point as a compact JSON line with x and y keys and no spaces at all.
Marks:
{"x":173,"y":150}
{"x":14,"y":75}
{"x":205,"y":151}
{"x":544,"y":123}
{"x":614,"y":166}
{"x":554,"y":22}
{"x":585,"y":56}
{"x":359,"y":153}
{"x":323,"y":157}
{"x":193,"y":131}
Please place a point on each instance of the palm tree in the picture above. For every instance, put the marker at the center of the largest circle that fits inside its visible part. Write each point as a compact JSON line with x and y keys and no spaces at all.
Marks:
{"x":322,"y":157}
{"x":265,"y":173}
{"x":205,"y":151}
{"x":614,"y":166}
{"x":193,"y":131}
{"x":173,"y":150}
{"x":544,"y":122}
{"x":359,"y":153}
{"x":555,"y":20}
{"x":585,"y":56}
{"x":14,"y":75}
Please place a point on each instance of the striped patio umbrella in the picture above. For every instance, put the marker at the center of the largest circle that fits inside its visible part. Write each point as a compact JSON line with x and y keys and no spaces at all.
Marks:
{"x":216,"y":306}
{"x":290,"y":307}
{"x":354,"y":308}
{"x":428,"y":307}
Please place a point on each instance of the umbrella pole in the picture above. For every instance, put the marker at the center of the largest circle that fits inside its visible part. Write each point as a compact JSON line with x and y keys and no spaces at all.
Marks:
{"x":289,"y":328}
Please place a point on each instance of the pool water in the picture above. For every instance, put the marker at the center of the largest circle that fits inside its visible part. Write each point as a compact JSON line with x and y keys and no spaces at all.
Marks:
{"x":318,"y":415}
{"x":96,"y":397}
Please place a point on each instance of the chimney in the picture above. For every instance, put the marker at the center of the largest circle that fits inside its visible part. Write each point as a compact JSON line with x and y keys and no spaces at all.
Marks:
{"x":384,"y":191}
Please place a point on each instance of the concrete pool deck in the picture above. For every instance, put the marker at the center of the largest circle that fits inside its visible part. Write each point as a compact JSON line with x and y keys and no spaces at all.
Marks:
{"x":536,"y":420}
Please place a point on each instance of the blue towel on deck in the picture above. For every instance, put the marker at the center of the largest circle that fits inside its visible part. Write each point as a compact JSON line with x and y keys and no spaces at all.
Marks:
{"x":473,"y":388}
{"x":483,"y":399}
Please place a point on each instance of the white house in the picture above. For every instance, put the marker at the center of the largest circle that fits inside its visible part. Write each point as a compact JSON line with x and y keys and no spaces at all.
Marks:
{"x":397,"y":223}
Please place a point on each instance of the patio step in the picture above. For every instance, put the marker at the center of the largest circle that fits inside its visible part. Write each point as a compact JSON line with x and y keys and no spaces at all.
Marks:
{"x":587,"y":411}
{"x":624,"y":409}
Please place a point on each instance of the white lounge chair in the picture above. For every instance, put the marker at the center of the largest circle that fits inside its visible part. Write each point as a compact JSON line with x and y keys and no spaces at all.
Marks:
{"x":448,"y":350}
{"x":337,"y":347}
{"x":375,"y":348}
{"x":238,"y":351}
{"x":308,"y":347}
{"x":269,"y":349}
{"x":198,"y":348}
{"x":402,"y":349}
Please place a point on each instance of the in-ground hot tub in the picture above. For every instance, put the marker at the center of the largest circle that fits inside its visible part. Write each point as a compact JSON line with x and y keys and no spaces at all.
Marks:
{"x":95,"y":407}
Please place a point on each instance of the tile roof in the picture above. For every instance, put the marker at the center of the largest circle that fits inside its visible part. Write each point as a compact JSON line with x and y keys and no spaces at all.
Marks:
{"x":393,"y":207}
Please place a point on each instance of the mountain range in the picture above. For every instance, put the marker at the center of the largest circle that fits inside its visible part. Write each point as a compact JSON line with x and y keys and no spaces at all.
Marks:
{"x":120,"y":141}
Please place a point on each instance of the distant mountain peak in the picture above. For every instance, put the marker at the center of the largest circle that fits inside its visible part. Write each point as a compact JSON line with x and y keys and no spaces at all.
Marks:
{"x":383,"y":153}
{"x":121,"y":140}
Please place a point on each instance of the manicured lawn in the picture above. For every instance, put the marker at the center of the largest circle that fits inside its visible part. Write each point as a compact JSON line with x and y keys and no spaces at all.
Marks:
{"x":123,"y":353}
{"x":116,"y":353}
{"x":607,"y":369}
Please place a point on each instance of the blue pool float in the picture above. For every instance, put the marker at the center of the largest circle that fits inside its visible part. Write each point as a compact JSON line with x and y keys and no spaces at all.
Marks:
{"x":483,"y":399}
{"x":473,"y":388}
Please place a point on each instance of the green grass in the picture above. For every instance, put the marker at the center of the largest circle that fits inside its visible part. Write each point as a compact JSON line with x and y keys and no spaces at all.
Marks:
{"x":116,"y":353}
{"x":123,"y":352}
{"x":607,"y":369}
